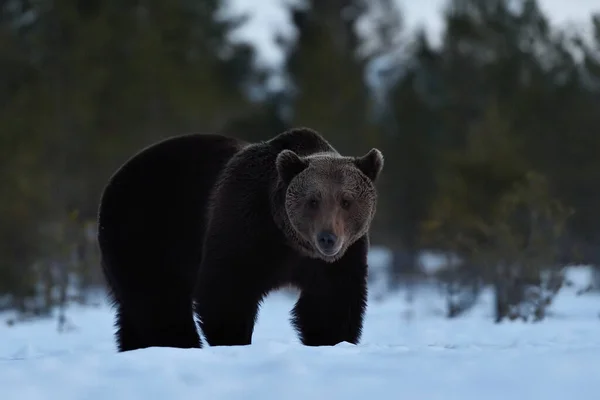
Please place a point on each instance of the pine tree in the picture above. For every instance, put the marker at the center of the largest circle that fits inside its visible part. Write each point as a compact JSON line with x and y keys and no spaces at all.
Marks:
{"x":412,"y":129}
{"x":498,"y":215}
{"x":90,"y":83}
{"x":328,"y":76}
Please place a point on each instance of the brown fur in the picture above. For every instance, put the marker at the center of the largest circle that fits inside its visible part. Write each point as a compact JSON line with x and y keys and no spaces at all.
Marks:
{"x":209,"y":225}
{"x":342,"y":193}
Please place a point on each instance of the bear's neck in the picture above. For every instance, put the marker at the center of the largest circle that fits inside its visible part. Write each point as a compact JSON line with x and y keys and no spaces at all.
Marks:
{"x":283,"y":223}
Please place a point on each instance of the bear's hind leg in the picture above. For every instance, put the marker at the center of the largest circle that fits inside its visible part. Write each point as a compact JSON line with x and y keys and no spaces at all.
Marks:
{"x":126,"y":335}
{"x":150,"y":324}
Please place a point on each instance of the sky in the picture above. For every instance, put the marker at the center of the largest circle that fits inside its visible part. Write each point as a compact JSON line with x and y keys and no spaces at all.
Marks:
{"x":269,"y":17}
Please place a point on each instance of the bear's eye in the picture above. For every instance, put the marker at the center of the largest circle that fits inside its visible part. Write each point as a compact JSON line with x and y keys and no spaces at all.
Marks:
{"x":313,"y":204}
{"x":345,"y":204}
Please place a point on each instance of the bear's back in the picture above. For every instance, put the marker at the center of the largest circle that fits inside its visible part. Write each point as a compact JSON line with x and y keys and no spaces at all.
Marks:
{"x":248,"y":180}
{"x":302,"y":141}
{"x":153,"y":211}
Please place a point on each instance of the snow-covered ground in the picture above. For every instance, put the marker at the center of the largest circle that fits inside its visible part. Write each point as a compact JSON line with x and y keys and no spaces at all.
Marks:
{"x":408,"y":352}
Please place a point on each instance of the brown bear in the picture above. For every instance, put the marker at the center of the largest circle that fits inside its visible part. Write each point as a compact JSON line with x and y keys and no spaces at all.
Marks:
{"x":209,"y":225}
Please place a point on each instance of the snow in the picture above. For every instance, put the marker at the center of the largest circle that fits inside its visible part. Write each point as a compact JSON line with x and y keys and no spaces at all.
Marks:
{"x":580,"y":275}
{"x":408,"y":351}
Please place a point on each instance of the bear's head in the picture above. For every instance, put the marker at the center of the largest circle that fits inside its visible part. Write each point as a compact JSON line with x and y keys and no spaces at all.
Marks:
{"x":329,"y":200}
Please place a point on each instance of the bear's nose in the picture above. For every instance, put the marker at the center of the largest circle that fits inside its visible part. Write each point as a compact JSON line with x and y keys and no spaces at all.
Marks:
{"x":326,"y":241}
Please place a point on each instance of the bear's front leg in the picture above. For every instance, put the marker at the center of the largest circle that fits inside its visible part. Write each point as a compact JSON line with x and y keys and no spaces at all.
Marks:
{"x":333,"y":298}
{"x":225,"y":302}
{"x":233,"y":279}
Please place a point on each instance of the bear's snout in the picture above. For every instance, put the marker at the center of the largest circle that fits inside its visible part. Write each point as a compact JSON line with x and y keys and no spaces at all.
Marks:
{"x":328,"y":243}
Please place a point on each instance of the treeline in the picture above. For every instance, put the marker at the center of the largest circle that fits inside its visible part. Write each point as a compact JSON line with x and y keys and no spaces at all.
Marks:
{"x":490,"y":138}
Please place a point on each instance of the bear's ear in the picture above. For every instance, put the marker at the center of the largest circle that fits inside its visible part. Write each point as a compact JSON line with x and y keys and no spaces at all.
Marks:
{"x":370,"y":164}
{"x":289,"y":164}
